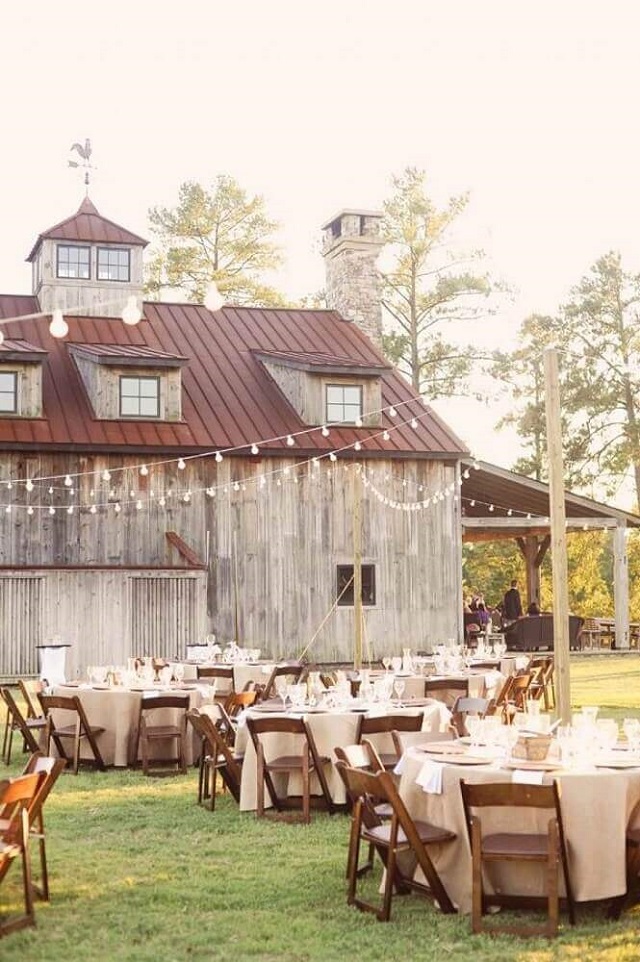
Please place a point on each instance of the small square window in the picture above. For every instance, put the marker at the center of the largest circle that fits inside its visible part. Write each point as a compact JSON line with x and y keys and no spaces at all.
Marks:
{"x":140,"y":397}
{"x":8,"y":392}
{"x":114,"y":264}
{"x":73,"y":262}
{"x":344,"y":585}
{"x":344,"y":403}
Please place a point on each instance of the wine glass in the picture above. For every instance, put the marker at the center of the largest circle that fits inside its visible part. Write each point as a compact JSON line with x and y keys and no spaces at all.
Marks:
{"x":398,"y":687}
{"x":178,"y":672}
{"x":386,"y":662}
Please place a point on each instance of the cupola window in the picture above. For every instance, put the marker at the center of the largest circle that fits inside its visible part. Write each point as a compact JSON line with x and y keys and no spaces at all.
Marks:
{"x":74,"y":261}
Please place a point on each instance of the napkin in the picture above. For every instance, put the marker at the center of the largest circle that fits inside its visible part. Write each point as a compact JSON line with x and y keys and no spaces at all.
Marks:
{"x":522,"y":777}
{"x":430,"y":777}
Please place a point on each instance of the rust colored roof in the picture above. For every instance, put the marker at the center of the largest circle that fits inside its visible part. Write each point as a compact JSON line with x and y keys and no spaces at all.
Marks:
{"x":90,"y":227}
{"x":322,"y":362}
{"x":21,"y":350}
{"x":228,"y":398}
{"x":127,"y":354}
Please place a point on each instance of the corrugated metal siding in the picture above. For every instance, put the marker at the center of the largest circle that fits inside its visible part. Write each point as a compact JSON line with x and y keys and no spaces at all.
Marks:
{"x":166,"y":615}
{"x":21,"y":624}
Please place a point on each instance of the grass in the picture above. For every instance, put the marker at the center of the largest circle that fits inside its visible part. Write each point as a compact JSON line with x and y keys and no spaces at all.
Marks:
{"x":140,"y":873}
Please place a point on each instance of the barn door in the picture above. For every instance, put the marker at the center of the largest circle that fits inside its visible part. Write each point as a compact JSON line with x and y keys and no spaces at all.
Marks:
{"x":21,"y":624}
{"x":165,"y":615}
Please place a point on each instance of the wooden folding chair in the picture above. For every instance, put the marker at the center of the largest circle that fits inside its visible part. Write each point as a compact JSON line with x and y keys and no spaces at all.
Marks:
{"x":541,"y":686}
{"x":293,"y":672}
{"x":49,"y":768}
{"x":548,"y":848}
{"x":219,"y":675}
{"x":365,"y":757}
{"x":31,"y":688}
{"x":15,"y":721}
{"x":216,"y":756}
{"x":632,"y":846}
{"x":382,"y":725}
{"x":390,"y":839}
{"x":446,"y":689}
{"x":77,"y":732}
{"x":16,"y":795}
{"x":463,"y":707}
{"x":404,"y":740}
{"x":152,"y":730}
{"x":305,"y":762}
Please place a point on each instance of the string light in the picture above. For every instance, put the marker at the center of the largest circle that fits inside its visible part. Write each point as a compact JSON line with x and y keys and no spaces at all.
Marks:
{"x":218,"y":457}
{"x":58,"y":326}
{"x":144,"y":470}
{"x":181,"y":464}
{"x":131,"y":314}
{"x":68,"y":482}
{"x":290,"y":441}
{"x":29,"y":485}
{"x":325,"y":431}
{"x":254,"y":449}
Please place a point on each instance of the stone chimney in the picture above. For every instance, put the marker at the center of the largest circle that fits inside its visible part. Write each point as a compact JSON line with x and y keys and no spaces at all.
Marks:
{"x":351,"y":244}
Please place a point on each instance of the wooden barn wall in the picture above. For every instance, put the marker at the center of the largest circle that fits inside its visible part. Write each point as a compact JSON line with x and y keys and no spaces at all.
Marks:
{"x":272,"y":548}
{"x":106,"y":616}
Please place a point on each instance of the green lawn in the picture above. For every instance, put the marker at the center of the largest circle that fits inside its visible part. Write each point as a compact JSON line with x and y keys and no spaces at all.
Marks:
{"x":140,"y":872}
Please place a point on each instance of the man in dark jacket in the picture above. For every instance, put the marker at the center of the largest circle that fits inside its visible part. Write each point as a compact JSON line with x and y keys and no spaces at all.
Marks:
{"x":512,"y":604}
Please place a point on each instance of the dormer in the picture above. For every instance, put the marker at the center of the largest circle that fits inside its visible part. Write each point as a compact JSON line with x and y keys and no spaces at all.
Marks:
{"x":328,"y":389}
{"x":21,"y":379}
{"x":87,"y":264}
{"x":125,"y":382}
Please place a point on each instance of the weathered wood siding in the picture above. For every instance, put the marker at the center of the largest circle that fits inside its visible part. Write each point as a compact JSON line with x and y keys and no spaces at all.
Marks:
{"x":273,"y":547}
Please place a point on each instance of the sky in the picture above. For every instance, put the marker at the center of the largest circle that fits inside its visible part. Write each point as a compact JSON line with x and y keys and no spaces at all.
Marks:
{"x":531,"y":107}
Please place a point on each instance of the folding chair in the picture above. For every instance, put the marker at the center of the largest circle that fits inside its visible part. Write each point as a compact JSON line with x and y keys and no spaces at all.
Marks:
{"x":29,"y":728}
{"x":49,"y":768}
{"x":216,"y":756}
{"x":382,"y":725}
{"x":305,"y":762}
{"x":390,"y":839}
{"x":76,"y":732}
{"x":463,"y":707}
{"x":404,"y":740}
{"x":16,"y":795}
{"x":365,"y":757}
{"x":152,"y":730}
{"x":30,"y":689}
{"x":292,"y":672}
{"x":548,"y":848}
{"x":446,"y":689}
{"x":219,"y":675}
{"x":512,"y":697}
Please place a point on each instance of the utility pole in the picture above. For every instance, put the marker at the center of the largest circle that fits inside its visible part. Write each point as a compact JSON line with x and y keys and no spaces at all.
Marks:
{"x":357,"y":566}
{"x":558,"y":535}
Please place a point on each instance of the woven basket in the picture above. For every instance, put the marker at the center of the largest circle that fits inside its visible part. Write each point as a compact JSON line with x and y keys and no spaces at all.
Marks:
{"x":534,"y":748}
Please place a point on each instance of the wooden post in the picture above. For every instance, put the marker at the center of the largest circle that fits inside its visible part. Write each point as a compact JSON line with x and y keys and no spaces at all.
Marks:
{"x":558,"y":535}
{"x":621,"y":587}
{"x":357,"y":567}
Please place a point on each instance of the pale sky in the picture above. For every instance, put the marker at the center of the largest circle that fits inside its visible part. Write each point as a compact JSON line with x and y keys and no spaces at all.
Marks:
{"x":531,"y":107}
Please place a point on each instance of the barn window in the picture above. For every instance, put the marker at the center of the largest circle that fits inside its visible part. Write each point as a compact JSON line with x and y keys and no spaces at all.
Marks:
{"x":113,"y":264}
{"x":73,"y":261}
{"x":8,"y":392}
{"x":344,"y":585}
{"x":139,"y":397}
{"x":344,"y":403}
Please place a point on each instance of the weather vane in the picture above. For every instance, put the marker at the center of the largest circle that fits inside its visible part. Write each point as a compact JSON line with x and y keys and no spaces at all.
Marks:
{"x":85,"y":163}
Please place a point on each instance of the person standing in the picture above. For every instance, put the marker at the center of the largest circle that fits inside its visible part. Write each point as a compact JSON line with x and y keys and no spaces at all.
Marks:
{"x":512,"y":604}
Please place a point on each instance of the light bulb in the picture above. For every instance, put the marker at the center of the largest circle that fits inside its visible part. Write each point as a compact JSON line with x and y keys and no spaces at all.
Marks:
{"x":333,"y":457}
{"x":68,"y":482}
{"x":93,"y":509}
{"x":29,"y":510}
{"x":187,"y":497}
{"x":144,"y":470}
{"x":106,"y":476}
{"x":490,"y":507}
{"x":358,"y":422}
{"x":50,"y":490}
{"x":70,"y":509}
{"x":254,"y":448}
{"x":325,"y":431}
{"x":58,"y":326}
{"x":290,"y":441}
{"x":236,"y":486}
{"x":414,"y":422}
{"x":117,"y":508}
{"x":213,"y":299}
{"x":392,"y":412}
{"x":385,"y":435}
{"x":139,"y":505}
{"x":357,"y":446}
{"x":8,"y":509}
{"x":52,"y":510}
{"x":181,"y":465}
{"x":1,"y":337}
{"x":466,"y":475}
{"x":161,"y":502}
{"x":472,"y":503}
{"x":29,"y":485}
{"x":131,"y":314}
{"x":218,"y":457}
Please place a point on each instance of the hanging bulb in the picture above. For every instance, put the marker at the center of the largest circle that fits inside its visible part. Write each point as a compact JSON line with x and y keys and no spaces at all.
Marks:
{"x":236,"y":486}
{"x":29,"y":485}
{"x":392,"y":411}
{"x":181,"y":465}
{"x":325,"y":431}
{"x":68,"y":482}
{"x":218,"y":457}
{"x":509,"y":513}
{"x":385,"y":435}
{"x":358,"y":422}
{"x":186,"y":497}
{"x":117,"y":508}
{"x":466,"y":474}
{"x":52,"y":510}
{"x":472,"y":503}
{"x":92,"y":493}
{"x":132,"y":494}
{"x":144,"y":470}
{"x":211,"y":493}
{"x":58,"y":326}
{"x":29,"y":510}
{"x":357,"y":446}
{"x":333,"y":456}
{"x":112,"y":493}
{"x":138,"y":505}
{"x":290,"y":441}
{"x":106,"y":476}
{"x":162,"y":502}
{"x":491,"y":507}
{"x":8,"y":509}
{"x":131,"y":314}
{"x":285,"y":470}
{"x":213,"y":299}
{"x":254,"y":449}
{"x":50,"y":490}
{"x":93,"y":509}
{"x":70,"y":509}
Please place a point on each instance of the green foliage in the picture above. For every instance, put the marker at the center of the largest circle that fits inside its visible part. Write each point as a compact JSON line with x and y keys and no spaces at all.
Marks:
{"x":590,"y":589}
{"x":428,"y":285}
{"x":219,"y":235}
{"x":488,"y":568}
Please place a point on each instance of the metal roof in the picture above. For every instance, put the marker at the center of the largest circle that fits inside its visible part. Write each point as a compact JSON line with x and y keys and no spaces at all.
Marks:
{"x":229,"y":399}
{"x":136,"y":354}
{"x":90,"y":227}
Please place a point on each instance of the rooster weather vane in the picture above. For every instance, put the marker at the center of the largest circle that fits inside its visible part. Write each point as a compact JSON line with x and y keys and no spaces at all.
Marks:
{"x":84,"y":152}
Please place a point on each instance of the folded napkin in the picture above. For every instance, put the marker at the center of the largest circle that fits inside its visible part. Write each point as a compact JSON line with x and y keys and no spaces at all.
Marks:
{"x":522,"y":777}
{"x":430,"y":777}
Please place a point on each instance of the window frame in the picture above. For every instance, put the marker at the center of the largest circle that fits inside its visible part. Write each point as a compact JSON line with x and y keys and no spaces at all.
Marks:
{"x":342,"y":387}
{"x":73,"y":247}
{"x":139,"y":378}
{"x":368,"y":576}
{"x":109,"y":250}
{"x":15,"y":409}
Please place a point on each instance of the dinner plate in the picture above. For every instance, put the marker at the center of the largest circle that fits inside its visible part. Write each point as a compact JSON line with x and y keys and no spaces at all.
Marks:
{"x":523,"y":765}
{"x":618,"y":763}
{"x":465,"y":760}
{"x":441,"y":748}
{"x":101,"y":687}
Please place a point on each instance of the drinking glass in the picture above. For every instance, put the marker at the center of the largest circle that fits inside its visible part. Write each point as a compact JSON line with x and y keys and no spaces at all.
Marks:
{"x":178,"y":672}
{"x":398,"y":687}
{"x":386,"y":661}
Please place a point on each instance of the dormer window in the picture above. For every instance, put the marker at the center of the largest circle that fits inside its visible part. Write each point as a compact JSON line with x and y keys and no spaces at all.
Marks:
{"x":73,"y":261}
{"x":139,"y":397}
{"x":343,"y":403}
{"x":8,"y":392}
{"x":114,"y":264}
